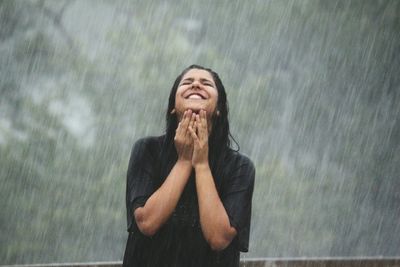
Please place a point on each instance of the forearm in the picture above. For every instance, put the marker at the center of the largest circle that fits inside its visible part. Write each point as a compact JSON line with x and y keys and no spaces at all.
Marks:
{"x":214,"y":220}
{"x":162,"y":202}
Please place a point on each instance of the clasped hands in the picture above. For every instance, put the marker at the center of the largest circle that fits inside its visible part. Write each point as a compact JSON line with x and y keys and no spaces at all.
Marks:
{"x":191,"y":138}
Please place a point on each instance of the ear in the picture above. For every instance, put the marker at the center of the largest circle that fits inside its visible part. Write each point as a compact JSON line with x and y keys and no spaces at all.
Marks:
{"x":173,"y":111}
{"x":217,"y":112}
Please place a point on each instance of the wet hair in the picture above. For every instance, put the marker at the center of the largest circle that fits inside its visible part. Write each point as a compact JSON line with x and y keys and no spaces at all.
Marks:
{"x":220,"y":137}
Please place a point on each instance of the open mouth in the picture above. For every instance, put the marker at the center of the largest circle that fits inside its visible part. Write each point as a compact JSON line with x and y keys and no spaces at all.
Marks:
{"x":195,"y":96}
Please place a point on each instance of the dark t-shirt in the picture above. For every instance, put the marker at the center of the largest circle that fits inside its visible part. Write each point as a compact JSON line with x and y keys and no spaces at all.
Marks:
{"x":180,"y":241}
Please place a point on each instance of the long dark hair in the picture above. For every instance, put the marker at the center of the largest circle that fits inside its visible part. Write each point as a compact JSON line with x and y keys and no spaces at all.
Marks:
{"x":220,"y":137}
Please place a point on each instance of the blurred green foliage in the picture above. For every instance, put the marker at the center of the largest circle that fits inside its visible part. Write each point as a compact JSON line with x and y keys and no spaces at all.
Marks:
{"x":313,"y":88}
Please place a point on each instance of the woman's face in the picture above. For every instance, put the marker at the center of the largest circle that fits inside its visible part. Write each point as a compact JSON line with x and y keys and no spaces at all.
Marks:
{"x":196,"y":91}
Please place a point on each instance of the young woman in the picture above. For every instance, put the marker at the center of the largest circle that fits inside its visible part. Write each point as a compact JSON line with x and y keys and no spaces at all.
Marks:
{"x":188,"y":194}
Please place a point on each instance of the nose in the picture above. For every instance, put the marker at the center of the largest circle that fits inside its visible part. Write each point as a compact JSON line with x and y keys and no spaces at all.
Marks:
{"x":196,"y":84}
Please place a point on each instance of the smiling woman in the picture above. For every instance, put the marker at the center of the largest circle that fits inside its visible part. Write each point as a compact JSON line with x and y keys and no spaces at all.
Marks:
{"x":188,"y":194}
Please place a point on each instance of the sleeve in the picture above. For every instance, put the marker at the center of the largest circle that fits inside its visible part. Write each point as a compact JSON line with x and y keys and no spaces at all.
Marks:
{"x":140,"y":182}
{"x":237,"y":198}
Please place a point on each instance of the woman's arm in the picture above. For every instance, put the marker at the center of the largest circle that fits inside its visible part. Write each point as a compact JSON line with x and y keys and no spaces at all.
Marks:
{"x":214,"y":220}
{"x":162,"y":202}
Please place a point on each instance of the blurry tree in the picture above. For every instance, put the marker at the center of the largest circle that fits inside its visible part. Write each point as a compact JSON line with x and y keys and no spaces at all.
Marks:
{"x":313,"y":91}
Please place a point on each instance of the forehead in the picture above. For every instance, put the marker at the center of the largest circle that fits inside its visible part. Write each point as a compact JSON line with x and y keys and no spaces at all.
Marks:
{"x":198,"y":74}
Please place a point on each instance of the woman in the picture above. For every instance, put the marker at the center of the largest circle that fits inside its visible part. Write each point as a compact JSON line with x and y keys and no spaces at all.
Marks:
{"x":188,"y":193}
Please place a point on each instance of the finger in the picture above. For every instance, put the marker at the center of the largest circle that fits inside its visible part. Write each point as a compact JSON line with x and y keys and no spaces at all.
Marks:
{"x":193,"y":134}
{"x":186,"y":120}
{"x":204,"y":118}
{"x":179,"y":127}
{"x":199,"y":126}
{"x":195,"y":126}
{"x":191,"y":123}
{"x":183,"y":116}
{"x":205,"y":123}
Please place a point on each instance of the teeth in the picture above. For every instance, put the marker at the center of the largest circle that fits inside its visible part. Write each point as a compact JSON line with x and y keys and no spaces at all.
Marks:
{"x":195,"y":97}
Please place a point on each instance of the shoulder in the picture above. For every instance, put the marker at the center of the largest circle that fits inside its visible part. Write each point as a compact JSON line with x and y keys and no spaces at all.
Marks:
{"x":239,"y":169}
{"x":149,"y":142}
{"x":237,"y":160}
{"x":150,"y":146}
{"x":238,"y":175}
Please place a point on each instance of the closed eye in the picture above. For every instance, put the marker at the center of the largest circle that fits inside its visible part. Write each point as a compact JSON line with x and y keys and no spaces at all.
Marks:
{"x":206,"y":82}
{"x":187,"y":81}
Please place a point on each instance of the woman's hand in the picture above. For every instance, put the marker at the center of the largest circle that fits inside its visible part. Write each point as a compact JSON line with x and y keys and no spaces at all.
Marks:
{"x":199,"y":134}
{"x":183,"y":139}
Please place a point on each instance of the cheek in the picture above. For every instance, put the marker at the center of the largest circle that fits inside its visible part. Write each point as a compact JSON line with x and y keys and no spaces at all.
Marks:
{"x":177,"y":94}
{"x":178,"y":101}
{"x":215,"y":97}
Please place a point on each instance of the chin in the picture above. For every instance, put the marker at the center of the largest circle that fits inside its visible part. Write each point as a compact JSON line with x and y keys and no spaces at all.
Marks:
{"x":196,"y":108}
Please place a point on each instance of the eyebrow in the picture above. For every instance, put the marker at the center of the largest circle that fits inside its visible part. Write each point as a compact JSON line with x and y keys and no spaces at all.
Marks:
{"x":201,"y":80}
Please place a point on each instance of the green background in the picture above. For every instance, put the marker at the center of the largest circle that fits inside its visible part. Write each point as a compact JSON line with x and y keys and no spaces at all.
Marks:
{"x":313,"y":88}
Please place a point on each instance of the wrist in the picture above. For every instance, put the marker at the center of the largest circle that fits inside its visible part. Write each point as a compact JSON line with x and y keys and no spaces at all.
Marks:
{"x":203,"y":166}
{"x":184,"y":163}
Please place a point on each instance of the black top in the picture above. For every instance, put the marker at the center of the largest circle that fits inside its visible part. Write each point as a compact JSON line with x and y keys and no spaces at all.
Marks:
{"x":180,"y":241}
